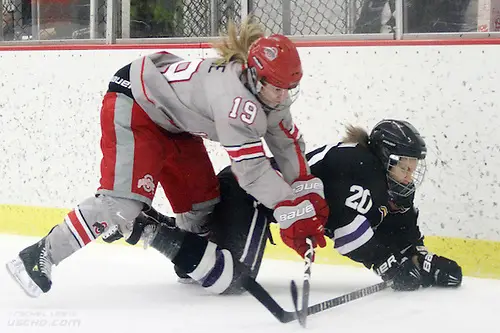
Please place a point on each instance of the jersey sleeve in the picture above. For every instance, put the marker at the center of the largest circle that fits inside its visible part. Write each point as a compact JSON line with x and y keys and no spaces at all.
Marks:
{"x":401,"y":230}
{"x":287,"y":145}
{"x":240,"y":124}
{"x":395,"y":235}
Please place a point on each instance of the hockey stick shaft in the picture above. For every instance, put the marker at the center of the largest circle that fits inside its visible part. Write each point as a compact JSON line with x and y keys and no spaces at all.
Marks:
{"x":306,"y":284}
{"x":257,"y":291}
{"x":348,"y":297}
{"x":302,"y":313}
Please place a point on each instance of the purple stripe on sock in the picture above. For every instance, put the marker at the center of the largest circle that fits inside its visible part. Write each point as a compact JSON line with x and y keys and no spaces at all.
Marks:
{"x":216,"y":272}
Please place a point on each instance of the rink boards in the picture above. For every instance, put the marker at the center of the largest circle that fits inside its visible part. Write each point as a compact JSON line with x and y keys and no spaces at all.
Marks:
{"x":478,"y":258}
{"x":49,"y":127}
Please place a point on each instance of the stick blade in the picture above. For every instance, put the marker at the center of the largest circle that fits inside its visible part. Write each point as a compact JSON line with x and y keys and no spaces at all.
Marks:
{"x":299,"y":314}
{"x":295,"y":295}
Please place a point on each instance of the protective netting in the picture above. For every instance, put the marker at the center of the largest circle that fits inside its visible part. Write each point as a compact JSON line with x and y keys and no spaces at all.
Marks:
{"x":63,"y":19}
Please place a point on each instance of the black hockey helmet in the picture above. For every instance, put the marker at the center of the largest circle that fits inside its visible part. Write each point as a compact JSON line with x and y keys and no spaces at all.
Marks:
{"x":393,"y":141}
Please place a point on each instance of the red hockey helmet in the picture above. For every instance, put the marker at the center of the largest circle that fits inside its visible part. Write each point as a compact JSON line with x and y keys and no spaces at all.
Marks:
{"x":276,"y":61}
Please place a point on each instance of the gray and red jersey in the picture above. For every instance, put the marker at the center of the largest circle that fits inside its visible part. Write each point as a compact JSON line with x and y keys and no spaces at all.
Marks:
{"x":203,"y":98}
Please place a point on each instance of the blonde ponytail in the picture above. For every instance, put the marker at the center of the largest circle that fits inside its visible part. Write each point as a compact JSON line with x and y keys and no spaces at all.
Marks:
{"x":235,"y":45}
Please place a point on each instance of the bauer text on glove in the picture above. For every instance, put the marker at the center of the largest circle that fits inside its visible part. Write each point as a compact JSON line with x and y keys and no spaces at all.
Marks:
{"x":303,"y":217}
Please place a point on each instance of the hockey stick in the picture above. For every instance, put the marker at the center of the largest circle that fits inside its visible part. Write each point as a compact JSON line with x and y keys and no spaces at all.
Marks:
{"x":302,"y":314}
{"x":257,"y":291}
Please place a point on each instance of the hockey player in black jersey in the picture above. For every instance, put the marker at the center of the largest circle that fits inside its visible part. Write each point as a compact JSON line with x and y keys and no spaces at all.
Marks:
{"x":370,"y":182}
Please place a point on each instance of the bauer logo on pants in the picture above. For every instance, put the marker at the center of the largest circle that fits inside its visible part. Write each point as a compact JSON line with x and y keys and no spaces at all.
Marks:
{"x":147,"y":183}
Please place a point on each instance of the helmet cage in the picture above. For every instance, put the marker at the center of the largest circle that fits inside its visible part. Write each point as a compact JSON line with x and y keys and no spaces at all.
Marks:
{"x":400,"y":189}
{"x":255,"y":84}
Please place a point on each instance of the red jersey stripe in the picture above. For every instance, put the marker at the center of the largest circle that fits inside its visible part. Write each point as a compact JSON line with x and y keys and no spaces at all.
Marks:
{"x":246,"y":151}
{"x":294,"y":134}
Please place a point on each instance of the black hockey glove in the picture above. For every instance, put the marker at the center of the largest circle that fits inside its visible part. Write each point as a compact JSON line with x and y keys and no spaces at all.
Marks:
{"x":438,"y":271}
{"x":404,"y":274}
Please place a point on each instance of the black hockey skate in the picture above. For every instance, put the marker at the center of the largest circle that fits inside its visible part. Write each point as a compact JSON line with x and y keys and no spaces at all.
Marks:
{"x":146,"y":226}
{"x":182,"y":276}
{"x":32,"y":269}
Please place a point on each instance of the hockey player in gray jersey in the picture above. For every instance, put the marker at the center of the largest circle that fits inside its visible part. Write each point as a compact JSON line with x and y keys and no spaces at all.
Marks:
{"x":154,"y":115}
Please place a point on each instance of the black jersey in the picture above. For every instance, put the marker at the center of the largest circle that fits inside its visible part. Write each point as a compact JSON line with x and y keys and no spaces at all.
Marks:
{"x":360,"y":222}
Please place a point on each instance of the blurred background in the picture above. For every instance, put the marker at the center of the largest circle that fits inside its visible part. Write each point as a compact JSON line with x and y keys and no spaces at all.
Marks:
{"x":38,"y":20}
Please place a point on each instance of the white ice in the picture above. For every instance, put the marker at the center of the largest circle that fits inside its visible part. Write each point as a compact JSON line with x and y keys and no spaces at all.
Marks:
{"x":114,"y":288}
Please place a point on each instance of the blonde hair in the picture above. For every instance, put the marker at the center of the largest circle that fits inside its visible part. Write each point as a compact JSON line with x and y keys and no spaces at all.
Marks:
{"x":235,"y":45}
{"x":354,"y":134}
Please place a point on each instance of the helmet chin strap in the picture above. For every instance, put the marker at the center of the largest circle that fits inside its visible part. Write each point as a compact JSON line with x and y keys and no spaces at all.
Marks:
{"x":396,"y":197}
{"x":253,"y":82}
{"x":255,"y":86}
{"x":394,"y":208}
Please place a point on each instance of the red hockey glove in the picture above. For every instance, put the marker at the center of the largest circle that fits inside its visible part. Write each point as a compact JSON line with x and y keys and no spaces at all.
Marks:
{"x":303,"y":217}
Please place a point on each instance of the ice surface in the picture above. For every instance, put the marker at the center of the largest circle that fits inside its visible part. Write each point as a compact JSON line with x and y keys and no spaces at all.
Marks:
{"x":113,"y":288}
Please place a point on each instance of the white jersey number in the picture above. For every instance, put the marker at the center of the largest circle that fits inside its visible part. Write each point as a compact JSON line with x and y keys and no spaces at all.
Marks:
{"x":182,"y":70}
{"x":249,"y":111}
{"x":361,"y":200}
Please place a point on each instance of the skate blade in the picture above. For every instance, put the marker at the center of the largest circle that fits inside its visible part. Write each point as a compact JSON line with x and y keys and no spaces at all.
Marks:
{"x":18,"y":272}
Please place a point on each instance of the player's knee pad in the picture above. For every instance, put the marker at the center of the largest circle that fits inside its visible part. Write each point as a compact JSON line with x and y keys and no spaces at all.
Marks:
{"x":205,"y":262}
{"x":215,"y":269}
{"x":105,"y":212}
